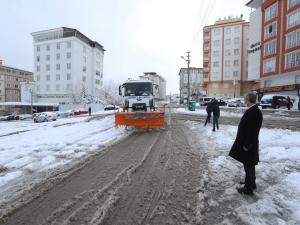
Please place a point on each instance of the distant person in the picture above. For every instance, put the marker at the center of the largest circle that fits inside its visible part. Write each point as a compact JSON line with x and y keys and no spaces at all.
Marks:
{"x":289,"y":103}
{"x":208,"y":111}
{"x":299,"y":104}
{"x":216,"y":114}
{"x":246,"y":146}
{"x":90,"y":111}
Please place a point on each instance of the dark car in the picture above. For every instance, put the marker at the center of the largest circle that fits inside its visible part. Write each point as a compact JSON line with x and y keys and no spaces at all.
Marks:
{"x":111,"y":107}
{"x":273,"y":101}
{"x":221,"y":102}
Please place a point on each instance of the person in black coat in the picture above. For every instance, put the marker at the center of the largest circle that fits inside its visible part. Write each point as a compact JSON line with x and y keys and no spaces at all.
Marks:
{"x":246,"y":146}
{"x":209,"y":111}
{"x":216,"y":114}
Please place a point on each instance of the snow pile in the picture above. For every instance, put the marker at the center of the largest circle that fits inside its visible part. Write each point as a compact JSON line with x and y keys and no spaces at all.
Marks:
{"x":49,"y":145}
{"x":277,"y":199}
{"x":203,"y":112}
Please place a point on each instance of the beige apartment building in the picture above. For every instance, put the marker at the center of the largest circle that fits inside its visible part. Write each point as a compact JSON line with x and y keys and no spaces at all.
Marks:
{"x":225,"y":54}
{"x":10,"y":78}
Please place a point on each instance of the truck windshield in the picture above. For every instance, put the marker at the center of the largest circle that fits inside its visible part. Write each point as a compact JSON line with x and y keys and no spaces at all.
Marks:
{"x":138,"y":89}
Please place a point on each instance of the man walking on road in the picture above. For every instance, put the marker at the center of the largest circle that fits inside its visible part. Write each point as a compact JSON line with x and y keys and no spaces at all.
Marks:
{"x":246,"y":146}
{"x":216,"y":114}
{"x":209,"y":111}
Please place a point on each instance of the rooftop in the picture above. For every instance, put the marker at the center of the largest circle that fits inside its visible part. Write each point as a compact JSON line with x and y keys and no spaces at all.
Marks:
{"x":67,"y":32}
{"x":254,"y":3}
{"x":16,"y":69}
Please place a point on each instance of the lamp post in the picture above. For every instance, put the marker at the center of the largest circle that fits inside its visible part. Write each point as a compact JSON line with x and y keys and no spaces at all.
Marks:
{"x":234,"y":85}
{"x":188,"y":60}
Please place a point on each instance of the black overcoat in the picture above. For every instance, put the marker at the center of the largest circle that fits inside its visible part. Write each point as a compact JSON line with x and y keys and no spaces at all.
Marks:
{"x":246,"y":146}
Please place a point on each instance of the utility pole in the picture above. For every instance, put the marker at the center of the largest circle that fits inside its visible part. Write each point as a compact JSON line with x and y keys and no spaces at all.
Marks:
{"x":188,"y":60}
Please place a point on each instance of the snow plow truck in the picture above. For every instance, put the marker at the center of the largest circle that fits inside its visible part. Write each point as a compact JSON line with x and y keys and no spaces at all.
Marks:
{"x":138,"y":103}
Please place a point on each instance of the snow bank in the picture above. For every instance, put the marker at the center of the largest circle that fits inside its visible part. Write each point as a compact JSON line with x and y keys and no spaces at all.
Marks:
{"x":49,"y":145}
{"x":277,"y":198}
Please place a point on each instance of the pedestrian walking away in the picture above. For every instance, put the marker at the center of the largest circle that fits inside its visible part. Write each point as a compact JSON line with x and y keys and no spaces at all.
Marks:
{"x":209,"y":111}
{"x":299,"y":104}
{"x":289,"y":103}
{"x":90,"y":111}
{"x":246,"y":146}
{"x":216,"y":114}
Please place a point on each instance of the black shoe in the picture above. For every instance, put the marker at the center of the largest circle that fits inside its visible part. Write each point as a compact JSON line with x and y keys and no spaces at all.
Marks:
{"x":253,"y":187}
{"x":245,"y":191}
{"x":214,"y":130}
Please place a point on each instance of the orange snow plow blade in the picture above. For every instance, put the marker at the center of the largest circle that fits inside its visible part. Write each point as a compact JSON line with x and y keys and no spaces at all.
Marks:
{"x":144,"y":120}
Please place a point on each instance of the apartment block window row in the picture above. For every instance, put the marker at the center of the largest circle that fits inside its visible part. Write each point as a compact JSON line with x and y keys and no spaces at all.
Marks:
{"x":271,"y":30}
{"x":217,"y":32}
{"x":236,"y":74}
{"x":292,"y":60}
{"x":227,"y":52}
{"x":293,"y":19}
{"x":237,"y":40}
{"x":228,"y":30}
{"x":217,"y":43}
{"x":236,"y":52}
{"x":215,"y":64}
{"x":270,"y":48}
{"x":57,"y":56}
{"x":237,"y":29}
{"x":269,"y":65}
{"x":293,"y":39}
{"x":57,"y":45}
{"x":68,"y":55}
{"x":215,"y":54}
{"x":271,"y":12}
{"x":228,"y":41}
{"x":293,"y":3}
{"x":236,"y":62}
{"x":57,"y":77}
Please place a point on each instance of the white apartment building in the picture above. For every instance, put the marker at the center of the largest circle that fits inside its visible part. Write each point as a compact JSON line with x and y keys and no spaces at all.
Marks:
{"x":67,"y":65}
{"x":225,"y":57}
{"x":196,"y":82}
{"x":159,"y":81}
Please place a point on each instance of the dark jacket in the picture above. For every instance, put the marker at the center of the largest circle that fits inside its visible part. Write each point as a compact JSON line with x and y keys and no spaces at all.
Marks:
{"x":209,"y":108}
{"x":247,"y":137}
{"x":215,"y":109}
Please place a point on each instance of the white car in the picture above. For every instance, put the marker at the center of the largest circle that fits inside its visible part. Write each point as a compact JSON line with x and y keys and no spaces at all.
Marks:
{"x":45,"y":117}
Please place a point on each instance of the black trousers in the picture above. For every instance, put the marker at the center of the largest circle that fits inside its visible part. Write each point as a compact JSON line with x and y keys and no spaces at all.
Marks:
{"x":250,"y":176}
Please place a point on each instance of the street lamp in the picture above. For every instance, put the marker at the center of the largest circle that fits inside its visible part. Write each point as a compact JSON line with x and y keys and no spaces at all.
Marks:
{"x":187,"y":59}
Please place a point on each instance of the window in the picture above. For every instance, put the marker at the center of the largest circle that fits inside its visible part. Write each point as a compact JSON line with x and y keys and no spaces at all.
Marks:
{"x":97,"y":81}
{"x":68,"y":76}
{"x":57,"y":77}
{"x":48,"y":47}
{"x":47,"y":87}
{"x":215,"y":54}
{"x":271,"y":30}
{"x":57,"y":66}
{"x":236,"y":40}
{"x":215,"y":64}
{"x":98,"y":65}
{"x":48,"y":77}
{"x":228,"y":30}
{"x":236,"y":62}
{"x":47,"y":67}
{"x":57,"y":45}
{"x":217,"y":43}
{"x":215,"y":85}
{"x":228,"y":42}
{"x":68,"y":87}
{"x":293,"y":3}
{"x":84,"y":78}
{"x":47,"y":57}
{"x":84,"y":69}
{"x":68,"y":65}
{"x":227,"y":63}
{"x":38,"y":58}
{"x":38,"y":48}
{"x":38,"y":78}
{"x":293,"y":19}
{"x":57,"y":56}
{"x":69,"y":45}
{"x":57,"y":88}
{"x":68,"y":55}
{"x":227,"y":52}
{"x":217,"y":31}
{"x":236,"y":51}
{"x":235,"y":74}
{"x":293,"y":39}
{"x":271,"y":12}
{"x":292,"y":60}
{"x":269,"y":65}
{"x":270,"y":48}
{"x":38,"y":68}
{"x":237,"y":29}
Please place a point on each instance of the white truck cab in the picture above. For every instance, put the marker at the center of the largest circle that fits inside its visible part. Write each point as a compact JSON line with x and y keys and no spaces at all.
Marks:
{"x":138,"y":95}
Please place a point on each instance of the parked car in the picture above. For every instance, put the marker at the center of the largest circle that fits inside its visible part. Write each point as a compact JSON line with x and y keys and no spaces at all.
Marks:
{"x":80,"y":112}
{"x":12,"y":116}
{"x":236,"y":102}
{"x":203,"y":101}
{"x":273,"y":101}
{"x":111,"y":107}
{"x":25,"y":116}
{"x":45,"y":117}
{"x":221,"y":102}
{"x":63,"y":114}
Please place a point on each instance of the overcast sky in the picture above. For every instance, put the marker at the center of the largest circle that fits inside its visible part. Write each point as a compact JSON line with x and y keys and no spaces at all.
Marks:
{"x":138,"y":35}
